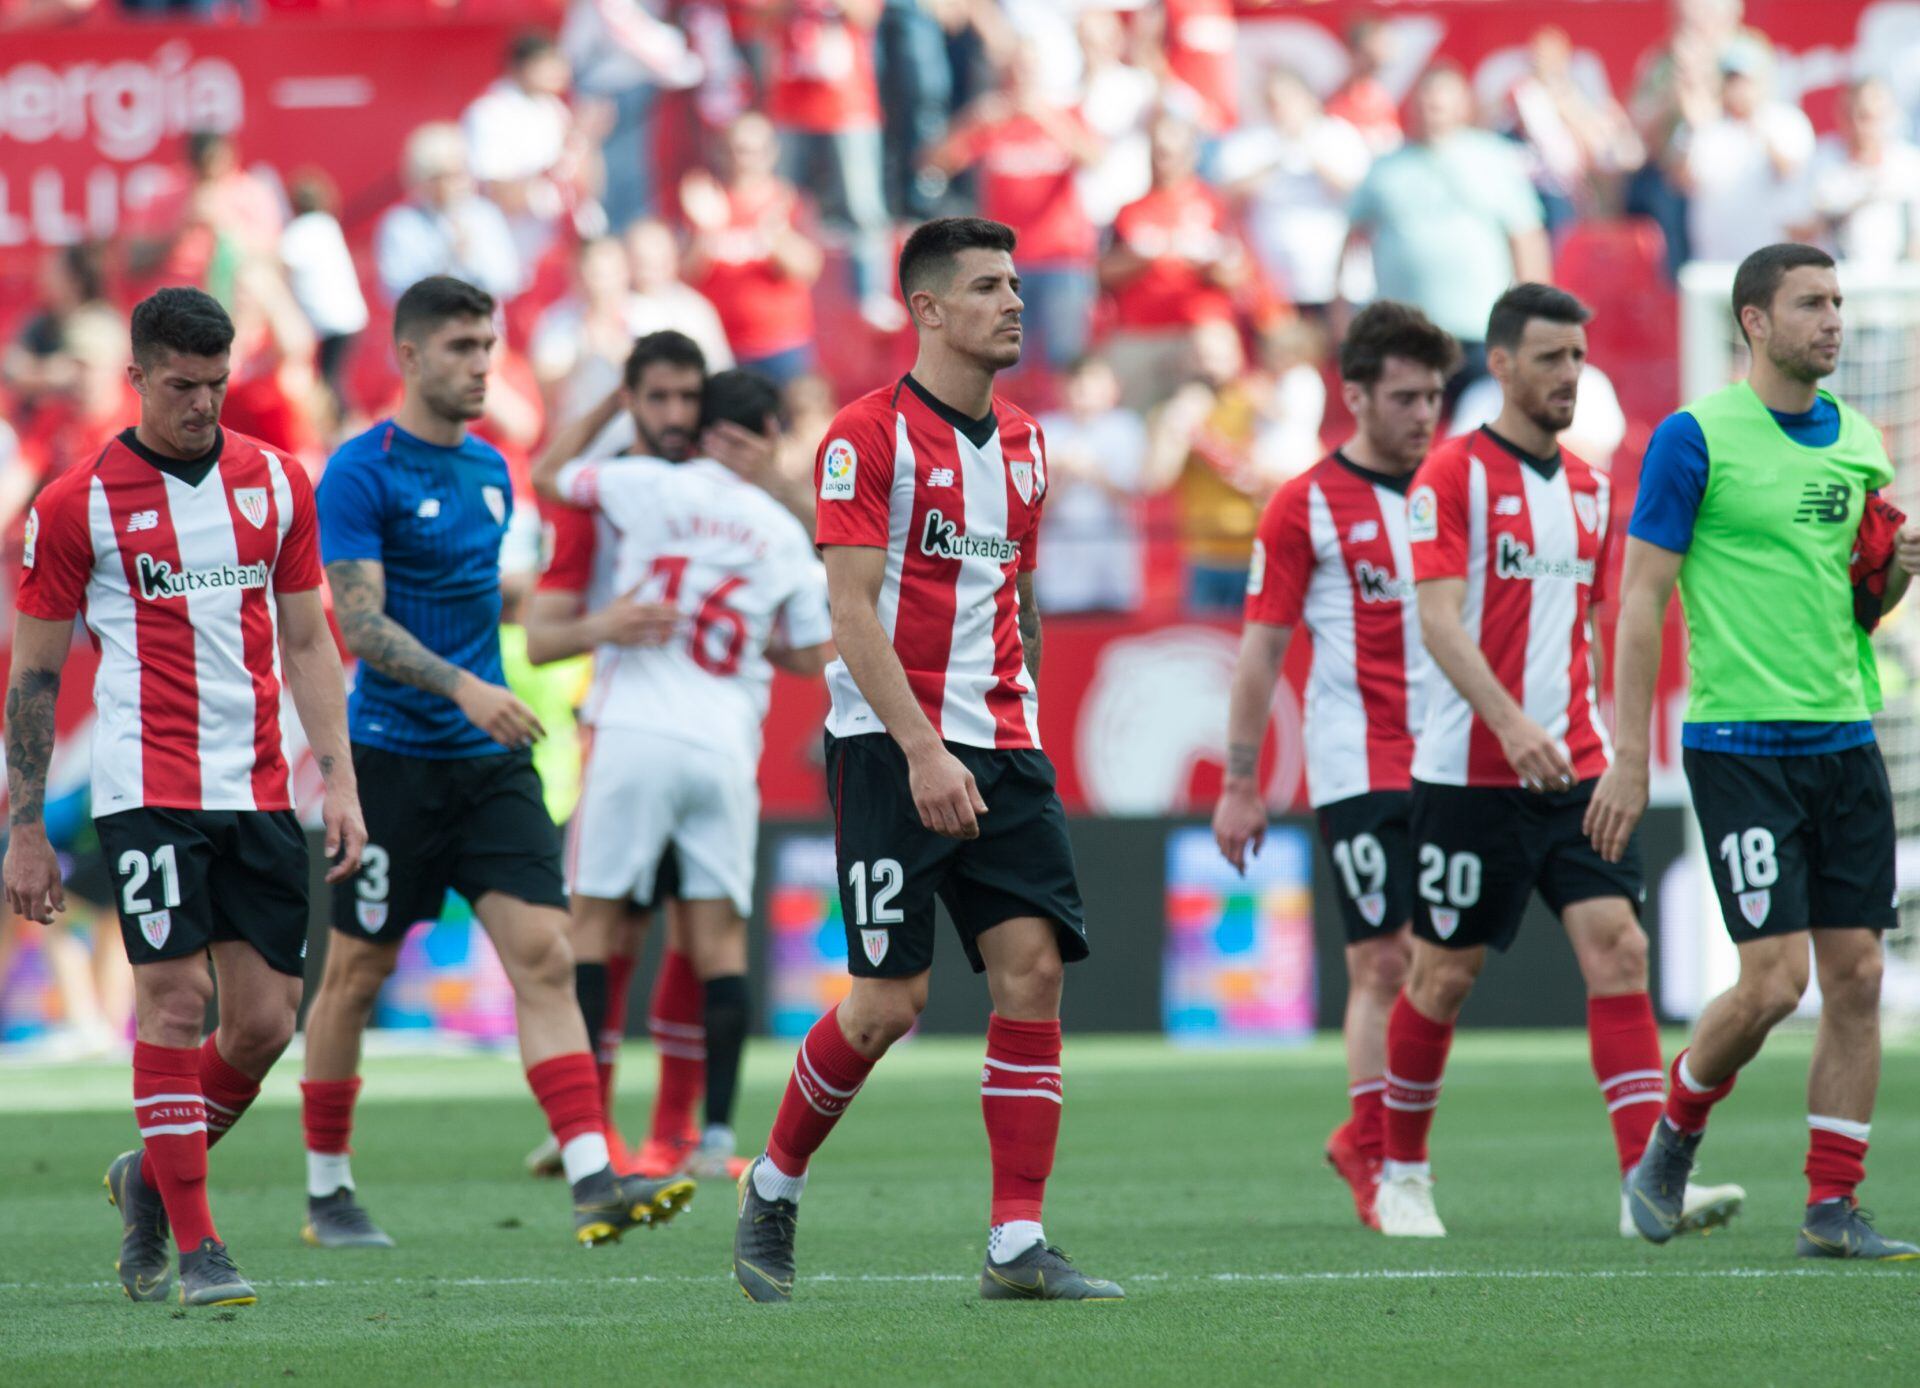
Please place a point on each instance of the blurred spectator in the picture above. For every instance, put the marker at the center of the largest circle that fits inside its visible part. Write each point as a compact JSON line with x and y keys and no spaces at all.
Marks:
{"x":1171,"y":265}
{"x":202,"y":216}
{"x":915,"y":75}
{"x":1028,"y":151}
{"x":1195,"y":41}
{"x":1740,"y":160}
{"x":271,"y":387}
{"x":581,"y":340}
{"x":826,"y":102}
{"x":72,"y":425}
{"x":239,"y":205}
{"x":321,"y":275}
{"x":37,"y":362}
{"x":1117,"y":100}
{"x":620,"y":55}
{"x":1573,"y":129}
{"x":1865,"y":183}
{"x":444,"y":227}
{"x":40,"y":14}
{"x":660,"y":299}
{"x":1363,"y":100}
{"x":810,"y":407}
{"x":1096,"y":476}
{"x":749,"y":257}
{"x":1202,"y":446}
{"x":1452,"y":219}
{"x":521,"y":144}
{"x":1295,"y":174}
{"x":1294,"y":406}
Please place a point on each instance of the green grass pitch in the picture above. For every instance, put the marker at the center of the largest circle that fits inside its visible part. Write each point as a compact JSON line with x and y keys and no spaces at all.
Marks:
{"x":1193,"y":1177}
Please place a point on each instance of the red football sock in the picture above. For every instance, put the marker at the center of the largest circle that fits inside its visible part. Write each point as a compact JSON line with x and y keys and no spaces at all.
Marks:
{"x":172,"y":1114}
{"x":614,"y":1029}
{"x":826,"y":1075}
{"x":1021,"y":1095}
{"x":1416,"y":1058}
{"x":1687,"y":1103}
{"x":1368,"y":1123}
{"x":1624,"y":1042}
{"x":326,"y":1112}
{"x":1836,"y":1158}
{"x":675,"y":1018}
{"x":228,"y":1092}
{"x":568,"y":1089}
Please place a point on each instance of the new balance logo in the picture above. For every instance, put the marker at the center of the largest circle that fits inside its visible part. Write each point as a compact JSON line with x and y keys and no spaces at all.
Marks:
{"x":429,"y":508}
{"x":1515,"y":560}
{"x":1377,"y":585}
{"x":940,"y":477}
{"x":1363,"y":532}
{"x":158,"y":579}
{"x":943,"y":539}
{"x":143,"y":520}
{"x":1825,"y":503}
{"x":1506,"y":506}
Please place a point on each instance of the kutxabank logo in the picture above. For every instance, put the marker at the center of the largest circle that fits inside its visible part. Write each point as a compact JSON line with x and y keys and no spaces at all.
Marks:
{"x":158,"y":579}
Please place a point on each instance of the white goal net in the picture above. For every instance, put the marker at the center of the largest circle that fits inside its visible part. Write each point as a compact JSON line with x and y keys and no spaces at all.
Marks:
{"x":1879,"y":375}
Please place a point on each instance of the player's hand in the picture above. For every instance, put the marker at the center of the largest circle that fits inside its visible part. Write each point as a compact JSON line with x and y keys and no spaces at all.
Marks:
{"x":34,"y":890}
{"x":945,"y":794}
{"x":498,"y":712}
{"x":750,"y":455}
{"x":1618,"y":802}
{"x":628,"y":622}
{"x":1239,"y":821}
{"x":1906,"y":547}
{"x":346,"y":831}
{"x":1539,"y":761}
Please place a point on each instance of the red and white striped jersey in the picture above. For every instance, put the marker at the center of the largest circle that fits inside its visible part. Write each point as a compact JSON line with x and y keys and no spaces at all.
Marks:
{"x":956,"y":505}
{"x":1530,"y":539}
{"x":176,"y":581}
{"x":1332,"y":555}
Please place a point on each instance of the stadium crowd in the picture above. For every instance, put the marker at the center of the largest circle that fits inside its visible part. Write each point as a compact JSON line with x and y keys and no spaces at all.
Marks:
{"x":740,"y":173}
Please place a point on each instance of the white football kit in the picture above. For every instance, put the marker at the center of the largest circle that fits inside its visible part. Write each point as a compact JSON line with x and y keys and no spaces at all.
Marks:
{"x":676,"y":744}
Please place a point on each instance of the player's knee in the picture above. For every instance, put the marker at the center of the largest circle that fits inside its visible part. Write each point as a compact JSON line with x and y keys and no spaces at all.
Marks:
{"x":547,"y":964}
{"x":1440,"y":984}
{"x":360,"y":975}
{"x":255,"y":1040}
{"x":1773,"y":994}
{"x":1380,"y":970}
{"x":174,"y":1013}
{"x":1619,"y":965}
{"x":1853,"y":986}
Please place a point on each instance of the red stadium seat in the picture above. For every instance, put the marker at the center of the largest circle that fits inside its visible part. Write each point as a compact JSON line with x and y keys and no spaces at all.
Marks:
{"x":1619,"y":267}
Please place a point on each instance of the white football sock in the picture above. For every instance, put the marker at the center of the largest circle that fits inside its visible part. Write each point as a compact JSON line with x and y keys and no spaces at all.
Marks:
{"x":585,"y":1155}
{"x":1008,"y":1241}
{"x":774,"y":1184}
{"x":328,"y":1172}
{"x":1393,"y":1170}
{"x":718,"y":1136}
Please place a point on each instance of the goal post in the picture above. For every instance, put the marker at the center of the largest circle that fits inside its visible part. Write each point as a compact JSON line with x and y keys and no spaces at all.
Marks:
{"x":1879,"y":375}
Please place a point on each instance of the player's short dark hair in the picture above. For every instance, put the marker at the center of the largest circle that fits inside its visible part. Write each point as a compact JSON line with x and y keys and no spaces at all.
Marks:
{"x":927,"y":258}
{"x":739,"y":397}
{"x":1386,"y":328}
{"x":1524,"y":303}
{"x":188,"y":321}
{"x":435,"y":300}
{"x":1759,"y":276}
{"x":668,"y":346}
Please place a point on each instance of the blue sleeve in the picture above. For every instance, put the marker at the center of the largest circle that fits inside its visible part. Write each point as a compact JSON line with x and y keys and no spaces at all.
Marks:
{"x":1673,"y":479}
{"x":351,"y":509}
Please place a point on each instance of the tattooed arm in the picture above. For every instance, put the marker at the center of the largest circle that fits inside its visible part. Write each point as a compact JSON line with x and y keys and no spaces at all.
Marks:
{"x":1240,"y":817}
{"x":1030,"y":638}
{"x":33,"y":686}
{"x":359,"y":605}
{"x":312,"y":668}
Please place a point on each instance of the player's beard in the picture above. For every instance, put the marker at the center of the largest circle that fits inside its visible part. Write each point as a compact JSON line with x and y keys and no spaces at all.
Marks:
{"x":1803,"y":364}
{"x":675,"y":445}
{"x":451,"y":402}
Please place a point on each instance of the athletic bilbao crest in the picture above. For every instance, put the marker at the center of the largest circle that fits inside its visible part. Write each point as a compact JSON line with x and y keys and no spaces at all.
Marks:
{"x":1587,"y":509}
{"x":371,"y":914}
{"x":874,"y":942}
{"x":1446,"y":920}
{"x":1022,"y":474}
{"x":1755,"y":906}
{"x":252,"y":503}
{"x":156,"y":926}
{"x":496,"y":502}
{"x":1373,"y":907}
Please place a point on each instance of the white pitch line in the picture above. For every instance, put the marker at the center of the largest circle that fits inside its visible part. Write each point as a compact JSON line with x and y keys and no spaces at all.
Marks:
{"x":1194,"y":1279}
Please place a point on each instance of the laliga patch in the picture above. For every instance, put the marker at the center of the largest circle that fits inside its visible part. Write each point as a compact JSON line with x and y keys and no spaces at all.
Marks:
{"x":496,"y":502}
{"x":156,"y":926}
{"x":1446,"y":920}
{"x":252,"y":503}
{"x":1257,"y":571}
{"x":836,"y":474}
{"x":875,"y":942}
{"x":371,"y":914}
{"x":1423,"y":515}
{"x":33,"y":533}
{"x":1755,"y":906}
{"x":1373,"y":907}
